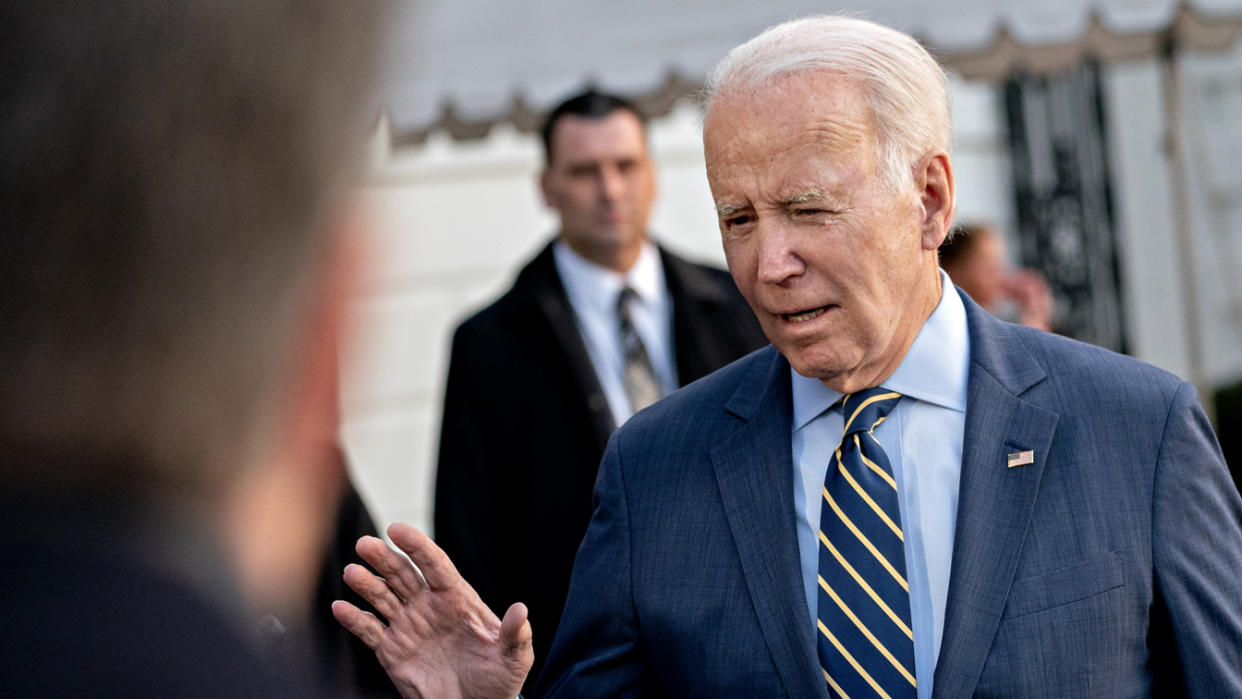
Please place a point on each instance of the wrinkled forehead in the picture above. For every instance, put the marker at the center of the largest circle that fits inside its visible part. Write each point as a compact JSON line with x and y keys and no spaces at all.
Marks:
{"x":821,"y":110}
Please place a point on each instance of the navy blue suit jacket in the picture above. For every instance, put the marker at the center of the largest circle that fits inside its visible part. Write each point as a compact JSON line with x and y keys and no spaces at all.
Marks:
{"x":1111,"y":566}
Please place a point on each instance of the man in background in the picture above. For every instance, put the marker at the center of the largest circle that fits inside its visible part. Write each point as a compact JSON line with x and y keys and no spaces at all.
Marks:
{"x":173,"y":265}
{"x":598,"y":325}
{"x":976,"y":261}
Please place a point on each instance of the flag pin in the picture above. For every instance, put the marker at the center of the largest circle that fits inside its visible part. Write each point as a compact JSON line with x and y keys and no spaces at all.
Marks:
{"x":1021,"y":458}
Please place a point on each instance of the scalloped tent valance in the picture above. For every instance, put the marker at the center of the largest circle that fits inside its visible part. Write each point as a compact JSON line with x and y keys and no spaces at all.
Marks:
{"x":467,"y":65}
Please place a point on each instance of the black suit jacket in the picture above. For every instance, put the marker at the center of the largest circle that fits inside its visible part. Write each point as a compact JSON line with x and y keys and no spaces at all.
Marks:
{"x":108,"y":597}
{"x":525,"y":424}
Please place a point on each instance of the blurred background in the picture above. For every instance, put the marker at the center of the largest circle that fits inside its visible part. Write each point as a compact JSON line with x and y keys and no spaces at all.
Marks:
{"x":1102,"y":138}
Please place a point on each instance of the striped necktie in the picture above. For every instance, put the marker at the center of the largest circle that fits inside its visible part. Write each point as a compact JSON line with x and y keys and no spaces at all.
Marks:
{"x":642,"y":387}
{"x":866,"y":646}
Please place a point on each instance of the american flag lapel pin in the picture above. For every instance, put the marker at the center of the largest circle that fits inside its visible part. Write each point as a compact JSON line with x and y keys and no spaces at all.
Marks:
{"x":1021,"y":458}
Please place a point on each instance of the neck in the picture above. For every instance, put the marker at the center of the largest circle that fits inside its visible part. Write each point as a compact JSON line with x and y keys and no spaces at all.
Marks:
{"x":618,"y":258}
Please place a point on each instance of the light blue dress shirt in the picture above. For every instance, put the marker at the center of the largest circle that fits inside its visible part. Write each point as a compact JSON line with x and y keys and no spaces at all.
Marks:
{"x":593,"y":292}
{"x":923,"y":440}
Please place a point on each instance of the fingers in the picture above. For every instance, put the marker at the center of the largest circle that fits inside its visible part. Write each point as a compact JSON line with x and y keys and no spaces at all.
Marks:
{"x":373,"y":589}
{"x":515,"y":642}
{"x":437,"y":569}
{"x":515,"y":631}
{"x":362,"y":624}
{"x":394,"y":568}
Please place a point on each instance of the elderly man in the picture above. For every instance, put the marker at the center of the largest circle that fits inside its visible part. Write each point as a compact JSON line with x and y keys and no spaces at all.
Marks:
{"x":904,"y":496}
{"x":598,"y":325}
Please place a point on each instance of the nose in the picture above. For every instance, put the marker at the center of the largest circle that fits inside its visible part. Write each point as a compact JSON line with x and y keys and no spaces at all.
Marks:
{"x":778,"y":258}
{"x":611,"y":184}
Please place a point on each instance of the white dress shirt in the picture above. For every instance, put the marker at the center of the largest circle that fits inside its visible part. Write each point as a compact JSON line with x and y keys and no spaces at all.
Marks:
{"x":923,"y":440}
{"x":593,"y":292}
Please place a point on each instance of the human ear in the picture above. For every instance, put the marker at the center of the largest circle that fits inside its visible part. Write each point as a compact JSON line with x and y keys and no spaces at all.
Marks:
{"x":937,"y":197}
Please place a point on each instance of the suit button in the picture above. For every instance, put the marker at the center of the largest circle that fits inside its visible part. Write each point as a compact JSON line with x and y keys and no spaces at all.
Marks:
{"x":596,"y":402}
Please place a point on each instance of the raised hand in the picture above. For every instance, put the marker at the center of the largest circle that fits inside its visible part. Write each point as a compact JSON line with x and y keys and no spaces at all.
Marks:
{"x":1030,"y":293}
{"x":441,"y":640}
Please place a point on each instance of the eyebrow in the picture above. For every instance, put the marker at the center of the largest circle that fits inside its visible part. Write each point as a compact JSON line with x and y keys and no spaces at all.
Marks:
{"x":810,"y":195}
{"x":724,"y":210}
{"x":804,"y":196}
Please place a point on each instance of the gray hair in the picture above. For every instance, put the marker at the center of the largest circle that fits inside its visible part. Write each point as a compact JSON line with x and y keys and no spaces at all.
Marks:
{"x":169,"y":167}
{"x":906,"y":88}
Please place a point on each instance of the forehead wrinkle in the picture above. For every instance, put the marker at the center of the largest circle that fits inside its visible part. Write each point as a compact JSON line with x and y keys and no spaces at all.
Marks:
{"x":734,"y":147}
{"x":838,"y":133}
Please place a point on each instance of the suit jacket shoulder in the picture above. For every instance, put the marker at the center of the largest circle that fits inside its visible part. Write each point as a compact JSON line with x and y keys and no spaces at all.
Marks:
{"x":1070,"y":363}
{"x":536,"y":288}
{"x":1098,"y":543}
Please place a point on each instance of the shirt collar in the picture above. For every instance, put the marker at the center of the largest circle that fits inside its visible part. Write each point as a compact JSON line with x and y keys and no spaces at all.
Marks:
{"x":935,"y":369}
{"x":597,"y":287}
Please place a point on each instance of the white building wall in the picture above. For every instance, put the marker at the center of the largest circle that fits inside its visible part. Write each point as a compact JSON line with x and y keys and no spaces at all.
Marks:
{"x":451,"y":222}
{"x":1211,"y":136}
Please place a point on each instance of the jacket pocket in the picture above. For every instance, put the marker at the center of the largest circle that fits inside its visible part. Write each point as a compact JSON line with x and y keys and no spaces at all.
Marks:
{"x":1063,"y":586}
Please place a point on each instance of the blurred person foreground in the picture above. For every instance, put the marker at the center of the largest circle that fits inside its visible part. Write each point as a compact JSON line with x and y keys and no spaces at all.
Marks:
{"x":175,"y":258}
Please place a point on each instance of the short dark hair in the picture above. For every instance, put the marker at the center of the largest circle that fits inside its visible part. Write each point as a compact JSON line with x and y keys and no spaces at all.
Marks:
{"x":959,"y":246}
{"x":590,"y":104}
{"x":167,"y":175}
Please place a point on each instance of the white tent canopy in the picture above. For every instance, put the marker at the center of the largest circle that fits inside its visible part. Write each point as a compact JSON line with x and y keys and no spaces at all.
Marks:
{"x":464,"y":65}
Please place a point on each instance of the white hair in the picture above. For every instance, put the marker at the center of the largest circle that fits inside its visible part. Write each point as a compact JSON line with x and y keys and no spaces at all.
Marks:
{"x":905,"y":87}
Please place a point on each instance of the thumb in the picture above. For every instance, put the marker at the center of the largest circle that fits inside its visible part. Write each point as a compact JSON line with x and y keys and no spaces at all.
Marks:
{"x":515,"y":632}
{"x":515,"y":644}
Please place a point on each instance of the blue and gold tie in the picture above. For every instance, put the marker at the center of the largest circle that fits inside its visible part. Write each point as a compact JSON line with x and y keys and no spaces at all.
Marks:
{"x":866,"y":646}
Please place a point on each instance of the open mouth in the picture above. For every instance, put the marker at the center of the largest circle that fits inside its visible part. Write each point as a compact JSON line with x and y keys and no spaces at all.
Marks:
{"x":803,"y":316}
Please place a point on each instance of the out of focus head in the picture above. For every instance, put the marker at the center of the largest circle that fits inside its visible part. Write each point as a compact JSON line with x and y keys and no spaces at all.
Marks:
{"x":827,"y":142}
{"x":975,"y":260}
{"x":598,"y":177}
{"x":169,"y":174}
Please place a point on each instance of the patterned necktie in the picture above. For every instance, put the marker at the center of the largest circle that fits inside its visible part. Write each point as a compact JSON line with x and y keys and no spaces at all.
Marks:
{"x":866,"y":646}
{"x":641,"y":385}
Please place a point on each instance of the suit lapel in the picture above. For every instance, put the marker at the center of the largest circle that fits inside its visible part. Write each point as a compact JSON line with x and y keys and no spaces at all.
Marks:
{"x":541,"y":285}
{"x":754,"y":472}
{"x":994,"y":502}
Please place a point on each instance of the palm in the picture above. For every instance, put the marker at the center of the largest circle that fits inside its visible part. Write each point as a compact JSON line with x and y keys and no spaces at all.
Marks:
{"x":441,"y":640}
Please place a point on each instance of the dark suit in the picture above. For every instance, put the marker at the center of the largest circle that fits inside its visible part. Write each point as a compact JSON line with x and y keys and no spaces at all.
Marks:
{"x":525,"y":423}
{"x":341,"y":654}
{"x":1111,"y":566}
{"x":106,"y":597}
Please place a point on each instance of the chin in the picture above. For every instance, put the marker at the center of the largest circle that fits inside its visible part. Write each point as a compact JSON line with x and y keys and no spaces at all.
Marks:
{"x":815,"y":367}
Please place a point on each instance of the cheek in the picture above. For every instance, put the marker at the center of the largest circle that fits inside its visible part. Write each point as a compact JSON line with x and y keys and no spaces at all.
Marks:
{"x":647,"y":189}
{"x":739,"y":260}
{"x":579,"y":201}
